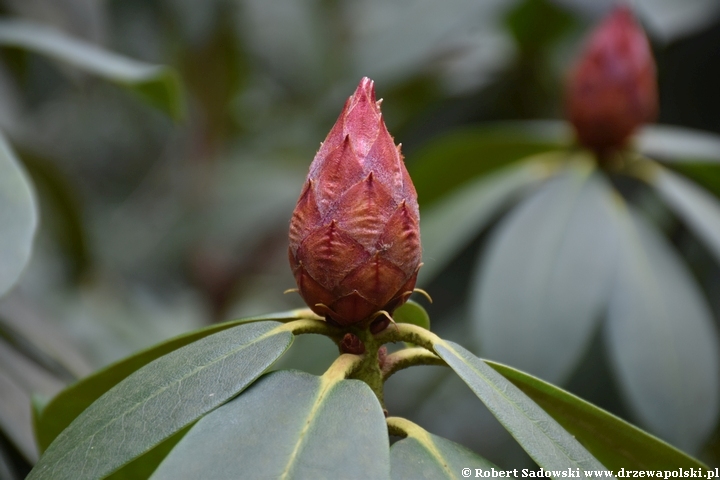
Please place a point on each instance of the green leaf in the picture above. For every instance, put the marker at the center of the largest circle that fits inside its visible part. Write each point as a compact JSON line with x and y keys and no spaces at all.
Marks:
{"x":538,"y":24}
{"x":71,"y":402}
{"x":704,"y":174}
{"x":422,"y":455}
{"x":551,"y":446}
{"x":18,"y":217}
{"x":614,"y":442}
{"x":62,"y":204}
{"x":37,"y":405}
{"x":452,"y":222}
{"x":160,"y":399}
{"x":144,"y":465}
{"x":699,"y":210}
{"x":661,"y":339}
{"x":677,"y":144}
{"x":157,"y":84}
{"x":450,"y":160}
{"x":287,"y":425}
{"x":546,"y":275}
{"x":413,"y":313}
{"x":693,"y":153}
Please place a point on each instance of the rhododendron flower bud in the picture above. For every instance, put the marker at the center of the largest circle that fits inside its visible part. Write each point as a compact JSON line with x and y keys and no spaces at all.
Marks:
{"x":354,"y":234}
{"x":613,"y":88}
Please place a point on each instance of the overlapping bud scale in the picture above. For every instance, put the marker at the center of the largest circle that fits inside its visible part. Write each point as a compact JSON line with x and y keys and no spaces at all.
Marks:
{"x":354,"y":235}
{"x":612,"y":89}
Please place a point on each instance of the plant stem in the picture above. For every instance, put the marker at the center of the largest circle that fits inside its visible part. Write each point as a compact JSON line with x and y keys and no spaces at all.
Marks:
{"x":402,"y":427}
{"x":369,"y":368}
{"x":405,"y":332}
{"x":343,"y":366}
{"x":408,"y":357}
{"x":312,"y":326}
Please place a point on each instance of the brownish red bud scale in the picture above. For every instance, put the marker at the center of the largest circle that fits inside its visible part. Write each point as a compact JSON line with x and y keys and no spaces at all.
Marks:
{"x":354,"y":234}
{"x":612,"y":89}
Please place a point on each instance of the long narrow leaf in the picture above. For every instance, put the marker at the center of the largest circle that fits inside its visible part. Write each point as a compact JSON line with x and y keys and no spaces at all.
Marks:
{"x":160,"y":399}
{"x":613,"y":441}
{"x":71,"y":402}
{"x":157,"y":84}
{"x":550,"y":445}
{"x":677,"y":144}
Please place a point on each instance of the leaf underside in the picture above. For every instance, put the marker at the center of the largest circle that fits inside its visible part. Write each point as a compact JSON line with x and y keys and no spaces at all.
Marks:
{"x":546,"y":276}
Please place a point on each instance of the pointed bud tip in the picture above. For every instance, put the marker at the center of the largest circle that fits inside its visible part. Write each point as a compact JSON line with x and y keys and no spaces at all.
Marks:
{"x":621,"y":14}
{"x":618,"y":27}
{"x":366,"y":87}
{"x":365,"y":92}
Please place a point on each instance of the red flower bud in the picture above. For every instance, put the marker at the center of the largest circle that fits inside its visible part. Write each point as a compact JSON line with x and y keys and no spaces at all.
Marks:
{"x":354,"y":234}
{"x":612,"y":89}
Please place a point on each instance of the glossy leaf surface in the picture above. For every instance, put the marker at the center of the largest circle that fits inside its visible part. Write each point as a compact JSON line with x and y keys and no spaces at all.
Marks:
{"x":160,"y":399}
{"x":551,"y":446}
{"x":546,"y":275}
{"x":613,"y":441}
{"x":422,"y":455}
{"x":157,"y":84}
{"x":287,"y":425}
{"x":71,"y":402}
{"x":18,"y":217}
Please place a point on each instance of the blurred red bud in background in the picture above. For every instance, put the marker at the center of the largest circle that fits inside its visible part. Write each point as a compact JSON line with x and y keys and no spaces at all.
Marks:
{"x":612,"y":89}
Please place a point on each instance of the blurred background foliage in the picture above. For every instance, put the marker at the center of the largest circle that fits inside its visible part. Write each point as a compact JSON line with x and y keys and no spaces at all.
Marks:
{"x":164,"y":194}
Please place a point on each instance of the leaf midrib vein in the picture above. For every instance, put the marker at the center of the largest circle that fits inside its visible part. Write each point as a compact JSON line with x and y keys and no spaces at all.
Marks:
{"x":165,"y":388}
{"x":514,"y":406}
{"x":319,"y":401}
